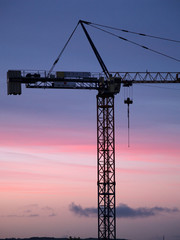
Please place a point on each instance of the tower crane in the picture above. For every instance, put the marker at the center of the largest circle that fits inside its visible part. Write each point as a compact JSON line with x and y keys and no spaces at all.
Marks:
{"x":107,"y":84}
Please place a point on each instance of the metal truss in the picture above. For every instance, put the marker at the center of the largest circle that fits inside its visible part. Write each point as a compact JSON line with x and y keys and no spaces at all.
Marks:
{"x":106,"y":167}
{"x":148,"y":77}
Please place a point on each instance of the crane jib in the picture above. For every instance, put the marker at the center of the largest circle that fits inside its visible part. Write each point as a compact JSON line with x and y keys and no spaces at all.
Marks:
{"x":85,"y":80}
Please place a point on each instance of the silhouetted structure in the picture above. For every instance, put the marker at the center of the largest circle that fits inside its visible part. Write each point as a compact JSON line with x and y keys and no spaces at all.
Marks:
{"x":107,"y":85}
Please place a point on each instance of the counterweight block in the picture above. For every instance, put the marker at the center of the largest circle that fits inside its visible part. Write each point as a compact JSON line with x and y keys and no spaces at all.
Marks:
{"x":13,"y":88}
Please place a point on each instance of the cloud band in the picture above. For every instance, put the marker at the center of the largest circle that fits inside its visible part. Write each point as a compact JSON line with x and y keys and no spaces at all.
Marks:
{"x":123,"y":211}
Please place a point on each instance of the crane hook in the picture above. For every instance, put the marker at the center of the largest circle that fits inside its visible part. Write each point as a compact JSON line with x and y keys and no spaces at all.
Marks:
{"x":128,"y":101}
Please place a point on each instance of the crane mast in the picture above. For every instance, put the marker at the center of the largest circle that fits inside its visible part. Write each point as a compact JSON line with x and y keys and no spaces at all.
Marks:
{"x":106,"y":167}
{"x":108,"y":85}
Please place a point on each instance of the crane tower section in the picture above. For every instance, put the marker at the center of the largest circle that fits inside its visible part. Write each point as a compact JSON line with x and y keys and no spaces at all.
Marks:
{"x":106,"y":167}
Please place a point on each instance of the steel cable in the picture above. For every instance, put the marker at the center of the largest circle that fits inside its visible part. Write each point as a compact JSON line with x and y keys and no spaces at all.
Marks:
{"x":55,"y":62}
{"x":135,"y":43}
{"x":140,"y":34}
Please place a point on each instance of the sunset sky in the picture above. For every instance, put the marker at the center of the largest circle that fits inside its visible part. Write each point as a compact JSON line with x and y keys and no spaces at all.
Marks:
{"x":48,"y":164}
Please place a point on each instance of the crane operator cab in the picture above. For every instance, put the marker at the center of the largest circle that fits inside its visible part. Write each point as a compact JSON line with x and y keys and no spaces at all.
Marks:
{"x":109,"y":86}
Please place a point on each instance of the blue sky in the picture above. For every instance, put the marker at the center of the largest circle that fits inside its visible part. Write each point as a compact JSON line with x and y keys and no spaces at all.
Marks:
{"x":48,"y":137}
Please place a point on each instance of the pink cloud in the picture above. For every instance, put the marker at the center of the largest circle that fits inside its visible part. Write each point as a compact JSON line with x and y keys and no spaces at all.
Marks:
{"x":43,"y":176}
{"x":148,"y":171}
{"x":32,"y":147}
{"x":51,"y":140}
{"x":79,"y":140}
{"x":149,"y":147}
{"x":150,"y":152}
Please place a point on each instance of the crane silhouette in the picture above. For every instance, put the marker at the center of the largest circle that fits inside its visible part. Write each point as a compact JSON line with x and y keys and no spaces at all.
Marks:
{"x":107,"y":84}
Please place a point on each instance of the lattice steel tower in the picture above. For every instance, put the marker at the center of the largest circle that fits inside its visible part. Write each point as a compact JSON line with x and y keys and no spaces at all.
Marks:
{"x":106,"y":167}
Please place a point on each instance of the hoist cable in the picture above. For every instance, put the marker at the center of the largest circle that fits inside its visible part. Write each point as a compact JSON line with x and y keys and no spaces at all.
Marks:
{"x":135,"y":43}
{"x":55,"y":62}
{"x":140,"y":34}
{"x":128,"y":127}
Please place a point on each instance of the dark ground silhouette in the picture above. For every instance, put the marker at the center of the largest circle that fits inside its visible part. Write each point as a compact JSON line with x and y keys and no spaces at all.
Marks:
{"x":51,"y":238}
